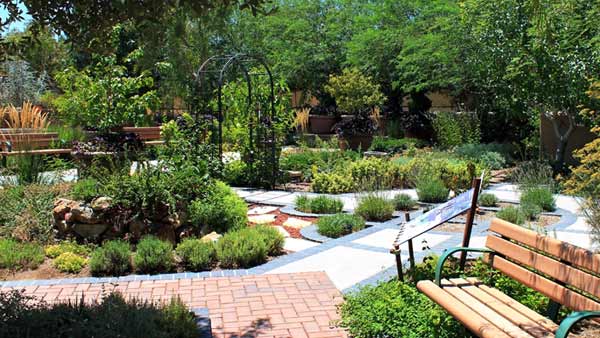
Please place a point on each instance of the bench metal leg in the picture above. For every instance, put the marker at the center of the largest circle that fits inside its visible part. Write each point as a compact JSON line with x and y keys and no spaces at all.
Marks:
{"x":553,"y":308}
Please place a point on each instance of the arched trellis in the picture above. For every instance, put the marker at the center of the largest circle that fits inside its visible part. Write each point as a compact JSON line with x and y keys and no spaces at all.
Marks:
{"x":210,"y":78}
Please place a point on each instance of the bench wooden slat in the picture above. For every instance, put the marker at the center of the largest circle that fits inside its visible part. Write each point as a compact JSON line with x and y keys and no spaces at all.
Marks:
{"x":537,"y":329}
{"x":577,"y":256}
{"x":552,"y":290}
{"x":546,"y":265}
{"x":35,"y":152}
{"x":472,"y":320}
{"x":514,"y":305}
{"x":483,"y":309}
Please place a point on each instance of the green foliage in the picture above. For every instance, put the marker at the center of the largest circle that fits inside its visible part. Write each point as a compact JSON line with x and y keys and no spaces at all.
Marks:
{"x":110,"y":316}
{"x":222,"y":210}
{"x":331,"y":183}
{"x":396,"y":309}
{"x":69,"y":262}
{"x":105,"y":96}
{"x":354,"y":92}
{"x":272,"y":238}
{"x":488,"y":200}
{"x":530,"y":210}
{"x":235,"y":173}
{"x":533,"y":174}
{"x":512,"y":214}
{"x":153,"y":255}
{"x":319,"y":205}
{"x":243,"y":248}
{"x":338,"y":225}
{"x":195,"y":254}
{"x":404,"y":202}
{"x":20,"y":256}
{"x":375,"y":208}
{"x":541,"y":197}
{"x":492,"y":155}
{"x":454,"y":129}
{"x":55,"y":250}
{"x":85,"y":189}
{"x":26,"y":211}
{"x":432,"y":190}
{"x":395,"y":145}
{"x":113,"y":258}
{"x":325,"y":161}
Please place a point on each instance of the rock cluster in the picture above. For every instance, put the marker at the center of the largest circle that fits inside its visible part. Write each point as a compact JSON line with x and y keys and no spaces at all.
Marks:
{"x":101,"y":219}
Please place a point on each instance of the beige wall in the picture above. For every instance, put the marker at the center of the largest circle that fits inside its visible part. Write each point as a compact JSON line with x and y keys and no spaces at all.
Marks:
{"x":580,"y":136}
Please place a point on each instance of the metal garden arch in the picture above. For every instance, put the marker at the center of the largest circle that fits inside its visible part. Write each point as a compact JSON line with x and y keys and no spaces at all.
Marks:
{"x":212,"y":75}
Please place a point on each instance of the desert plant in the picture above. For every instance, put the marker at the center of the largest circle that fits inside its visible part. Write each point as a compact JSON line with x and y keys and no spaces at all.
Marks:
{"x":195,"y":254}
{"x":511,"y":214}
{"x":404,"y":202}
{"x":488,"y":200}
{"x":222,"y":210}
{"x":55,"y":250}
{"x":272,"y":238}
{"x":241,"y":248}
{"x":69,"y":262}
{"x":19,"y":83}
{"x":153,"y":255}
{"x":373,"y":207}
{"x":431,"y":190}
{"x":18,"y":256}
{"x":338,"y":225}
{"x":113,"y":258}
{"x":28,"y":117}
{"x":539,"y":196}
{"x":319,"y":205}
{"x":301,"y":119}
{"x":533,"y":174}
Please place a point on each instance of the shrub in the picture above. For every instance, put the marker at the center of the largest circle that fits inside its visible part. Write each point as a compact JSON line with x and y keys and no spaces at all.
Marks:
{"x":338,"y":225}
{"x":530,"y":211}
{"x":235,"y":173}
{"x":153,"y":255}
{"x":111,"y":316}
{"x":272,"y":238}
{"x":396,"y":309}
{"x":591,"y":211}
{"x":306,"y":160}
{"x":532,"y":175}
{"x":222,"y":210}
{"x":241,"y":248}
{"x":354,"y":92}
{"x":332,"y":183}
{"x":85,"y":189}
{"x":374,"y":208}
{"x":69,"y":262}
{"x":26,"y":211}
{"x":319,"y":204}
{"x":55,"y":250}
{"x":404,"y":202}
{"x":488,"y":200}
{"x":19,"y":256}
{"x":394,"y":145}
{"x":454,"y":129}
{"x":195,"y":254}
{"x":511,"y":214}
{"x":540,"y":196}
{"x":432,"y":190}
{"x":491,"y":155}
{"x":113,"y":258}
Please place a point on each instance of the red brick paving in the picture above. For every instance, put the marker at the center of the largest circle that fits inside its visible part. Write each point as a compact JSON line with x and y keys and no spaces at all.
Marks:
{"x":282,"y":305}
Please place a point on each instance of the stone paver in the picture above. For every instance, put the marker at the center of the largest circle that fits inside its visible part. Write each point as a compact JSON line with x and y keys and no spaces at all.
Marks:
{"x":385,"y":239}
{"x":261,"y":210}
{"x":344,"y":265}
{"x":296,"y":223}
{"x":277,"y":305}
{"x":282,"y":231}
{"x":297,"y":244}
{"x":262,"y":219}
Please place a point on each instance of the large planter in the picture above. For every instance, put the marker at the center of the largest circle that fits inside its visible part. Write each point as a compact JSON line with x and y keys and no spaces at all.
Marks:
{"x":321,"y":124}
{"x":355,"y":142}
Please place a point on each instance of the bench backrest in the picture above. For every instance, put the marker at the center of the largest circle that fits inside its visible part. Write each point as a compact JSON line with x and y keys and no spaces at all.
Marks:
{"x":26,"y":141}
{"x":565,"y":273}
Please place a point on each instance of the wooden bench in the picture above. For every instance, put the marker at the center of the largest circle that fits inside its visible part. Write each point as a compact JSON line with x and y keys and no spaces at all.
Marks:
{"x":568,"y":275}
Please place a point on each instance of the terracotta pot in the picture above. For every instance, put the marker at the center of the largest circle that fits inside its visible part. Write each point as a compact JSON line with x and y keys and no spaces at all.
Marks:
{"x":356,"y":141}
{"x":321,"y":124}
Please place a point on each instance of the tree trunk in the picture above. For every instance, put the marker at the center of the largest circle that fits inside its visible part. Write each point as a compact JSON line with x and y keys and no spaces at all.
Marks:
{"x":562,"y":138}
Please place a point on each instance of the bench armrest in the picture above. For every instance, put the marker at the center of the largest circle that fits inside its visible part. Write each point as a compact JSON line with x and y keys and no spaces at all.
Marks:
{"x":572,"y":319}
{"x":447,"y":254}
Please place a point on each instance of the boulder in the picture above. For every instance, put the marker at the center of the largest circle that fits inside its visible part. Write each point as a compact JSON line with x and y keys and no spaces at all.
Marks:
{"x":62,"y":206}
{"x":83,"y":214}
{"x":101,"y":204}
{"x":212,"y":237}
{"x":90,"y":231}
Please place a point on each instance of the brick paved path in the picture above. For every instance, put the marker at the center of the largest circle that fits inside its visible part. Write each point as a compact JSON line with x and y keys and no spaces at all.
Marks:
{"x":279,"y":305}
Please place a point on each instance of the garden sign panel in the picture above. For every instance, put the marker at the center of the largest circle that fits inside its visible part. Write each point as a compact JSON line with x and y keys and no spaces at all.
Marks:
{"x":435,"y":217}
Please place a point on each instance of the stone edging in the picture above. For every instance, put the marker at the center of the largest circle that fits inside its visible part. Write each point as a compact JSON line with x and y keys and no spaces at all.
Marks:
{"x":290,"y":209}
{"x":312,"y":234}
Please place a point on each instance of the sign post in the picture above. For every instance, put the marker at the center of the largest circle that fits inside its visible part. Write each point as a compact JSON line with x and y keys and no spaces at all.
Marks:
{"x":469,"y":223}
